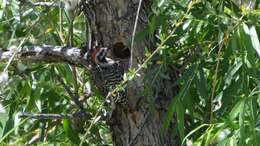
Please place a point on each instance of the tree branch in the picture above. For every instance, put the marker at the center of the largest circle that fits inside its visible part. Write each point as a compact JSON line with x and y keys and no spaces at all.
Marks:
{"x":48,"y":54}
{"x":45,"y":116}
{"x":54,"y":116}
{"x":43,"y":4}
{"x":48,"y":4}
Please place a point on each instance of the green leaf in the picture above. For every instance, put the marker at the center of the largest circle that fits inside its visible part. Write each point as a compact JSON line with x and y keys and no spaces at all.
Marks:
{"x":9,"y":125}
{"x":172,"y":107}
{"x":12,"y":130}
{"x":169,"y":115}
{"x":232,"y":72}
{"x":1,"y":13}
{"x":235,"y":110}
{"x":246,"y":44}
{"x":201,"y":84}
{"x":225,"y":142}
{"x":71,"y":134}
{"x":242,"y":124}
{"x":251,"y":31}
{"x":253,"y":114}
{"x":180,"y":117}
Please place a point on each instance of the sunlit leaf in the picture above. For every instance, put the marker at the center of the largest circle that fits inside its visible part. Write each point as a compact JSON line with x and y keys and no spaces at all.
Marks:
{"x":254,"y":39}
{"x":235,"y":111}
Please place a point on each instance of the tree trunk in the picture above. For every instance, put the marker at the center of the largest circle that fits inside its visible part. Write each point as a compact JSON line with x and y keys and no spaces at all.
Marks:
{"x":112,"y":24}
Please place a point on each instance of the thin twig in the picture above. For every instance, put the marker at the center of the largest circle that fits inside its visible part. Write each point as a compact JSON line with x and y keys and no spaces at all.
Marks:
{"x":89,"y":35}
{"x":133,"y":35}
{"x":61,"y":12}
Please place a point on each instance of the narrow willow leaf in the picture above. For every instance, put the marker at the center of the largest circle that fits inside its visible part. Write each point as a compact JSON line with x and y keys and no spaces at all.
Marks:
{"x":250,"y":56}
{"x":3,"y":78}
{"x":12,"y":130}
{"x":253,"y":111}
{"x":1,"y":14}
{"x":251,"y":31}
{"x":235,"y":110}
{"x":246,"y":43}
{"x":193,"y":131}
{"x":209,"y":135}
{"x":161,"y":3}
{"x":9,"y":125}
{"x":71,"y":134}
{"x":169,"y":115}
{"x":242,"y":124}
{"x":180,"y":117}
{"x":256,"y":12}
{"x":224,"y":142}
{"x":201,"y":84}
{"x":2,"y":109}
{"x":232,"y":72}
{"x":199,"y":26}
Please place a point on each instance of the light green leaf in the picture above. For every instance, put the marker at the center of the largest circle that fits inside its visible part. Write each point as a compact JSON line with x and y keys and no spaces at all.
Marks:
{"x":254,"y":39}
{"x":242,"y":124}
{"x":232,"y":72}
{"x":251,"y":31}
{"x":235,"y":111}
{"x":1,"y":14}
{"x":71,"y":133}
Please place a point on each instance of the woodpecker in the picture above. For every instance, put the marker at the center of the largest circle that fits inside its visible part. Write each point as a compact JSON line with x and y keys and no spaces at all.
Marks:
{"x":98,"y":55}
{"x":108,"y":73}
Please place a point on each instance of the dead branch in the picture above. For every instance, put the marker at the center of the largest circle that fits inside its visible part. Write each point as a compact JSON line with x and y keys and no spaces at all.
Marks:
{"x":45,"y":116}
{"x":48,"y":4}
{"x":54,"y":116}
{"x":42,"y":4}
{"x":48,"y":54}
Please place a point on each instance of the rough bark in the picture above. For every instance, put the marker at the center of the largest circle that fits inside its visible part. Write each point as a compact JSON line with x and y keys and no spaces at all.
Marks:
{"x":112,"y":24}
{"x":46,"y":53}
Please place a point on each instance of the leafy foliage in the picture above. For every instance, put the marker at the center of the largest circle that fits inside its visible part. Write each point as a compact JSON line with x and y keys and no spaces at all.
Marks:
{"x":217,"y":46}
{"x":36,"y":88}
{"x":213,"y":44}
